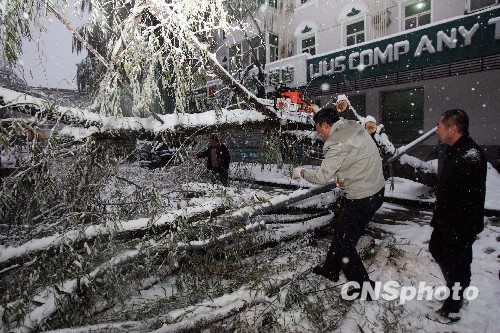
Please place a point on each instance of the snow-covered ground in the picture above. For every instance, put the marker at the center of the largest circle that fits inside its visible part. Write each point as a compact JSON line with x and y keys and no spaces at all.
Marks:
{"x":273,"y":290}
{"x":416,"y":265}
{"x":403,"y":188}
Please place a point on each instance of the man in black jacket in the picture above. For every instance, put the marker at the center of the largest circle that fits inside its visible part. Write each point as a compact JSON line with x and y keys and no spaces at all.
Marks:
{"x":218,"y":159}
{"x":459,"y":208}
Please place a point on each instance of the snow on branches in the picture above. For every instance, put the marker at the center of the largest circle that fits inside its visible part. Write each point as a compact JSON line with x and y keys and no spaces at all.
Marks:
{"x":153,"y":49}
{"x":83,"y":123}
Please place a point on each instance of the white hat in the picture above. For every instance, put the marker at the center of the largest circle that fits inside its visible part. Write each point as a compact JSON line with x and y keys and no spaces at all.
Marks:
{"x":342,"y":98}
{"x":369,"y":118}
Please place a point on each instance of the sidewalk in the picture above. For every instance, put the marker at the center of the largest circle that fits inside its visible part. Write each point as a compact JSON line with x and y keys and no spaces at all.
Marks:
{"x":405,"y":191}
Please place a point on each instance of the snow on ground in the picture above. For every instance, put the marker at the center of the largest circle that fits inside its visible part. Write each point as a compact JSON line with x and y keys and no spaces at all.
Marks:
{"x":295,"y":296}
{"x":415,"y":265}
{"x":406,"y":260}
{"x":402,"y":234}
{"x":403,"y":188}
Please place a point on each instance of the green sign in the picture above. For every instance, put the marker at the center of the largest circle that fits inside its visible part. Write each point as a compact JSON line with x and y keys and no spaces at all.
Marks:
{"x":245,"y":154}
{"x":469,"y":37}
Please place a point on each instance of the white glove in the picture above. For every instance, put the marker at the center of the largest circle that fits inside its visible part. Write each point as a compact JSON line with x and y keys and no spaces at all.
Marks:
{"x":296,"y":173}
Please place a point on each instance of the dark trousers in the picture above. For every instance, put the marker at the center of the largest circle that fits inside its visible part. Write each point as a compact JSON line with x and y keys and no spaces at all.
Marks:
{"x":221,"y":174}
{"x":454,"y":257}
{"x":351,"y":225}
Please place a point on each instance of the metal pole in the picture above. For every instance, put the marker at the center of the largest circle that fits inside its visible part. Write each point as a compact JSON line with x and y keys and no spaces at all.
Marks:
{"x":405,"y":149}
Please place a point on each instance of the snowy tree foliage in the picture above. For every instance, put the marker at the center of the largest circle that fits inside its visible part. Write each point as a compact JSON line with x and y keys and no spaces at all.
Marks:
{"x":149,"y":46}
{"x":243,"y":13}
{"x":147,"y":56}
{"x":15,"y":19}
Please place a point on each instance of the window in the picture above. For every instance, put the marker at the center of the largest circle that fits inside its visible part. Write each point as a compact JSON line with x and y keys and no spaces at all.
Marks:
{"x":303,"y":1}
{"x":258,"y":44}
{"x":246,"y":52}
{"x":271,"y":3}
{"x":403,"y":114}
{"x":353,"y":18}
{"x":355,"y":33}
{"x":273,"y":47}
{"x":305,"y":37}
{"x":308,"y":45}
{"x":417,"y":14}
{"x":473,"y":5}
{"x":235,"y":57}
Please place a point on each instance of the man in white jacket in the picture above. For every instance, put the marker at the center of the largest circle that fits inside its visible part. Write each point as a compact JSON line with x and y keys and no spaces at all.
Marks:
{"x":352,"y":156}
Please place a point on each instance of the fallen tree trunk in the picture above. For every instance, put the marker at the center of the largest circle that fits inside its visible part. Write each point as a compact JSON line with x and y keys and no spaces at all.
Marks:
{"x":278,"y":202}
{"x":121,"y":230}
{"x":209,"y":312}
{"x":48,"y":301}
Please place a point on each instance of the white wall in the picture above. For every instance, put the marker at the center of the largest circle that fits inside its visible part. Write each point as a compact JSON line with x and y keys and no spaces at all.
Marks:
{"x":325,"y":13}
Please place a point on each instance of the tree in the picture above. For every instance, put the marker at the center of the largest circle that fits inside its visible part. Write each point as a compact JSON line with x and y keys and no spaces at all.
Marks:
{"x":241,"y":13}
{"x":141,"y":61}
{"x":10,"y":79}
{"x":15,"y":18}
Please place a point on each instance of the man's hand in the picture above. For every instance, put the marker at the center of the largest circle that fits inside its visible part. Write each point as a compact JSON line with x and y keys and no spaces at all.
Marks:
{"x":340,"y":183}
{"x":297,"y":173}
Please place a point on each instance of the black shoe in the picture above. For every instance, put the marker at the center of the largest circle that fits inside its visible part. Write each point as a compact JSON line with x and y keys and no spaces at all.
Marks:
{"x":320,"y":270}
{"x":438,"y":317}
{"x":359,"y":293}
{"x":450,"y":306}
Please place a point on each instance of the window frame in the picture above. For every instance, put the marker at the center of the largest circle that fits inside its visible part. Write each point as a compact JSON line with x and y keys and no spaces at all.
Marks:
{"x":306,"y":30}
{"x":415,"y":16}
{"x":469,"y":2}
{"x":303,"y":38}
{"x":273,"y":48}
{"x":348,"y":23}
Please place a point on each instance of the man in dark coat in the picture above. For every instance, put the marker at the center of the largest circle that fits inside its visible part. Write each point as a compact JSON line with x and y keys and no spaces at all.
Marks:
{"x":459,"y":208}
{"x":218,"y":159}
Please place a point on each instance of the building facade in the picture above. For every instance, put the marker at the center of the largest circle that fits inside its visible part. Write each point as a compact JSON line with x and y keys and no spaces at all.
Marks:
{"x":402,"y":61}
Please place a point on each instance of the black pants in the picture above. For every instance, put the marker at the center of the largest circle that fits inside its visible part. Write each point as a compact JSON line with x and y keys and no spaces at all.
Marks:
{"x":221,"y":174}
{"x":454,"y":257}
{"x":351,"y":225}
